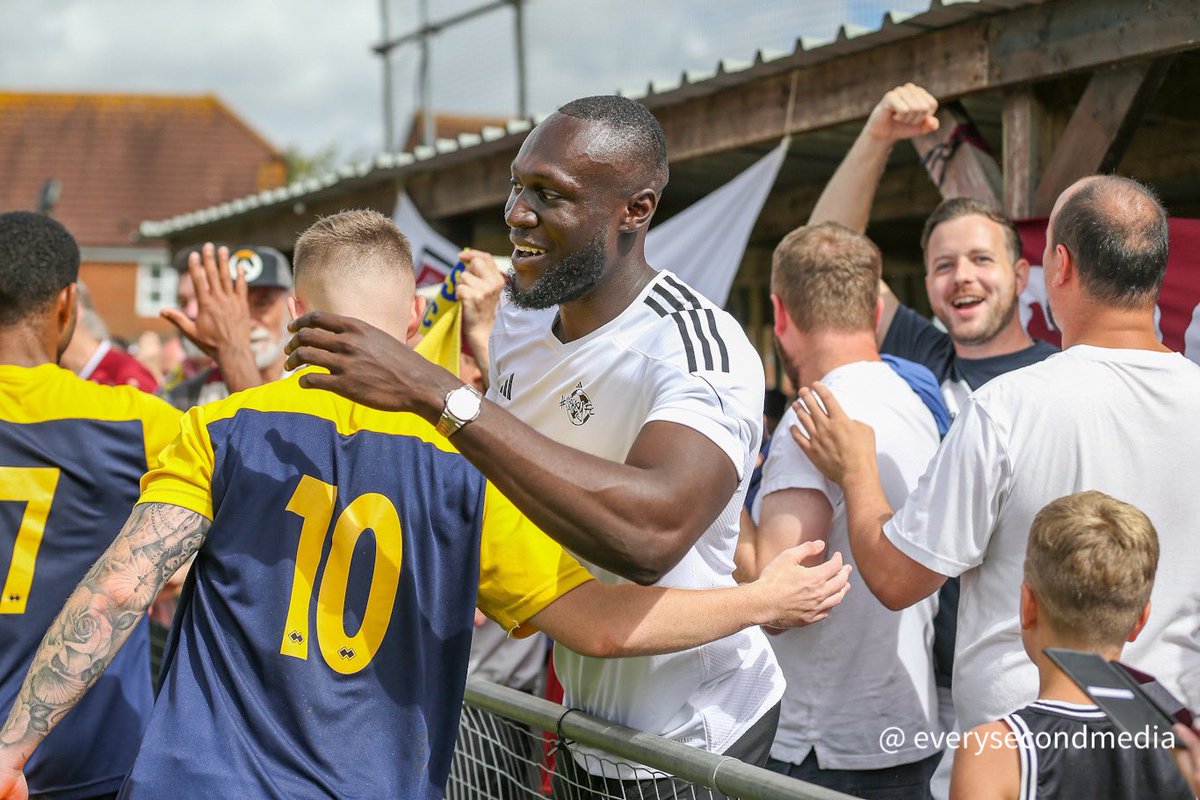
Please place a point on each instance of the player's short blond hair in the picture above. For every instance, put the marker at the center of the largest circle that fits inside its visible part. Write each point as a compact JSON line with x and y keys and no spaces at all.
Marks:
{"x":1091,"y":561}
{"x":359,"y":241}
{"x":827,"y":276}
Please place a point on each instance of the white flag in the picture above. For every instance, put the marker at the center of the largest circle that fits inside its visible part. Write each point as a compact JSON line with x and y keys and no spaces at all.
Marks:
{"x":704,"y":243}
{"x":433,"y":254}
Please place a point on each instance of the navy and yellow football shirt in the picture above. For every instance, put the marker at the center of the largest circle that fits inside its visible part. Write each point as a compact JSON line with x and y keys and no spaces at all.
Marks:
{"x":71,"y":455}
{"x":321,"y":643}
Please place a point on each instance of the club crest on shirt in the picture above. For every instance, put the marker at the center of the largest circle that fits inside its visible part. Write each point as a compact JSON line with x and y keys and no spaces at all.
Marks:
{"x":578,"y":405}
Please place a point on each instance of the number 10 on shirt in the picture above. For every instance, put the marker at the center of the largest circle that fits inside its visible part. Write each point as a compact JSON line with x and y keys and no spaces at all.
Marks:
{"x":314,"y":502}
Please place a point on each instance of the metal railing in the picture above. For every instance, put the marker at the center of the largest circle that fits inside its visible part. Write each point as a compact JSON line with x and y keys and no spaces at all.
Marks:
{"x":502,"y":754}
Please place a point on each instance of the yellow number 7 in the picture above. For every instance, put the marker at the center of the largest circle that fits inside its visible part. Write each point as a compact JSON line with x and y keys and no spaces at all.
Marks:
{"x":35,"y":486}
{"x":313,"y":502}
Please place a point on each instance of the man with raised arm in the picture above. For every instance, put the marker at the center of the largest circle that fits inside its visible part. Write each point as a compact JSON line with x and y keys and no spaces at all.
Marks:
{"x":1116,"y":411}
{"x":974,"y":272}
{"x":624,"y":415}
{"x":71,"y":455}
{"x":308,"y":658}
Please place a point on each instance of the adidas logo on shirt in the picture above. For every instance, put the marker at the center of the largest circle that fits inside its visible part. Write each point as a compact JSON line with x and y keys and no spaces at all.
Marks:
{"x":506,"y":386}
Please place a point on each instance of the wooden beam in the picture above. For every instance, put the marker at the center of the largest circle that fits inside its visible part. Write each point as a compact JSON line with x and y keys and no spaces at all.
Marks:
{"x":956,"y":163}
{"x":950,"y":62}
{"x":1057,"y":38}
{"x":1029,"y":44}
{"x":1100,"y":128}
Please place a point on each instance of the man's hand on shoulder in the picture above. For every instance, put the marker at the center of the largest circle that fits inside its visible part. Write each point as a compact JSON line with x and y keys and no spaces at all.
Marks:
{"x":903,"y":113}
{"x":837,"y":445}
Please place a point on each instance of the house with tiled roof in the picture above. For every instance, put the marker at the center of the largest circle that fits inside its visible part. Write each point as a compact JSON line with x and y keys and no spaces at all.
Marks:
{"x":101,"y":163}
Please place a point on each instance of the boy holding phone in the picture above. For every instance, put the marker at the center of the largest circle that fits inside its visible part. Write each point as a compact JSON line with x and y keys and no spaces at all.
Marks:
{"x":1089,"y":569}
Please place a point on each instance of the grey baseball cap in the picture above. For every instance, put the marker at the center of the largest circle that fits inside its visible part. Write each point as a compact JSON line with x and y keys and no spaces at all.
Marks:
{"x":263,"y":266}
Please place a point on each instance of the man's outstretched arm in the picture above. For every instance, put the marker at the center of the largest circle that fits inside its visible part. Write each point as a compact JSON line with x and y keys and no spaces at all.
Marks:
{"x":96,"y":620}
{"x":844,"y":450}
{"x":619,"y":620}
{"x":636,"y":519}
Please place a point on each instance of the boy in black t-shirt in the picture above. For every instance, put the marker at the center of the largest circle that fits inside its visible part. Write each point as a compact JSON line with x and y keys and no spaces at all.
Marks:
{"x":1089,"y":569}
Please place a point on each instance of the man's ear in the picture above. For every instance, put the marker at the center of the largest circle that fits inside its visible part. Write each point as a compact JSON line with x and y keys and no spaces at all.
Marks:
{"x":1029,"y":607}
{"x":1141,"y":622}
{"x":878,"y":311}
{"x":638,"y":210}
{"x":415,"y":315}
{"x":67,"y":307}
{"x":296,"y":306}
{"x":783,"y":320}
{"x":1021,"y":268}
{"x":1066,"y":269}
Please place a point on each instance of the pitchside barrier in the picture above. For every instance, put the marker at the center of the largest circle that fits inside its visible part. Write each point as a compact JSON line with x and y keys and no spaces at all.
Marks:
{"x":509,"y":743}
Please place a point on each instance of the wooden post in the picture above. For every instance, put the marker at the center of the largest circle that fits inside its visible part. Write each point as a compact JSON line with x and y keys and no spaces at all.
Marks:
{"x":1020,"y":120}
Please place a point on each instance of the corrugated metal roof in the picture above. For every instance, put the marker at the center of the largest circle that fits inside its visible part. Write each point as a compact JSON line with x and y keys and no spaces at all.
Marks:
{"x":893,"y":26}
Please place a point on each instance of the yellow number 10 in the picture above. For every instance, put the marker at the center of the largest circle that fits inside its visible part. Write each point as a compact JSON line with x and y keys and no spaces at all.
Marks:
{"x":35,"y":486}
{"x":313,"y":502}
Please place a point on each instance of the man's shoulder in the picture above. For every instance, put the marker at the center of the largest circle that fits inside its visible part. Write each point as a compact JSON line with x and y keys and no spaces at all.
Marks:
{"x":979,"y":371}
{"x":673,"y":323}
{"x":119,"y":368}
{"x":51,"y":392}
{"x":285,"y":403}
{"x":913,"y":337}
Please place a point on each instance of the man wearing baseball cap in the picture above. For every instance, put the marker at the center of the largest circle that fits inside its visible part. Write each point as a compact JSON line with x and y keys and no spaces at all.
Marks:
{"x":233,"y":316}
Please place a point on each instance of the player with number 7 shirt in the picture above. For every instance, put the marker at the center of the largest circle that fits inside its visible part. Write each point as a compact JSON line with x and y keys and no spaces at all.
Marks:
{"x":71,"y":455}
{"x":321,"y":643}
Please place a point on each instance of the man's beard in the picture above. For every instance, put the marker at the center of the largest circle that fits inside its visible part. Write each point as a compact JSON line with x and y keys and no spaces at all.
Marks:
{"x":994,"y":323}
{"x":267,"y":349}
{"x":790,"y":368}
{"x":570,"y":279}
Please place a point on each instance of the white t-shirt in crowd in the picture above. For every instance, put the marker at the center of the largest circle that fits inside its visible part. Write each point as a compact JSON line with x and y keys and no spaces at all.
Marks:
{"x":1124,"y":422}
{"x":865,"y":668}
{"x":670,"y":356}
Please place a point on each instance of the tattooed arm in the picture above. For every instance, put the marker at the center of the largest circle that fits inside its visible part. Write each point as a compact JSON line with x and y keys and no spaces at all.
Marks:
{"x":97,"y":619}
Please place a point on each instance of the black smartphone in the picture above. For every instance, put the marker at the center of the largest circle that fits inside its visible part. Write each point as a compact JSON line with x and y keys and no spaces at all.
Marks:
{"x":1135,"y":701}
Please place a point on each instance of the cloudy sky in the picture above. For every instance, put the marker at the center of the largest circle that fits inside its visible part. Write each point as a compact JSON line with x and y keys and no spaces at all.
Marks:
{"x":303,"y":74}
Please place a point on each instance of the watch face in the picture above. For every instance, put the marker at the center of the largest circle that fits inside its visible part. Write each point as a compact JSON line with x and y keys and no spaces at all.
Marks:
{"x":463,"y":404}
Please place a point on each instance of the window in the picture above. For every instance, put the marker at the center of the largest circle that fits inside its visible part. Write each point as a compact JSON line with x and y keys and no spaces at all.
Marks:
{"x":156,"y":285}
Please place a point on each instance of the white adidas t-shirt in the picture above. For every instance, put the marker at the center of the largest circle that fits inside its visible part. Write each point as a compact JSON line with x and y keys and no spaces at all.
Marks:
{"x":1124,"y":422}
{"x":673,"y":356}
{"x":865,"y":668}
